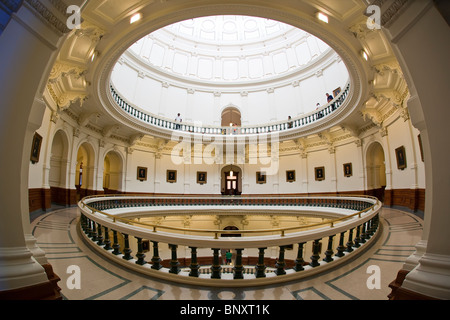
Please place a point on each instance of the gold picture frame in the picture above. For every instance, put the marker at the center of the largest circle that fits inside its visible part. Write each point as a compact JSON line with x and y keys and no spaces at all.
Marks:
{"x":401,"y":157}
{"x":202,"y":177}
{"x":141,"y":174}
{"x":290,"y":175}
{"x":348,"y":170}
{"x":319,"y":173}
{"x":171,"y":176}
{"x":260,"y":177}
{"x":36,"y":148}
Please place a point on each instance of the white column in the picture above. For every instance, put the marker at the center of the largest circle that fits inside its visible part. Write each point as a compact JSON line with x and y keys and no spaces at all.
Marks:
{"x":245,"y":118}
{"x":28,"y":46}
{"x":272,"y":105}
{"x":298,"y":98}
{"x":421,"y":23}
{"x":163,"y":99}
{"x":333,"y":184}
{"x":189,"y":106}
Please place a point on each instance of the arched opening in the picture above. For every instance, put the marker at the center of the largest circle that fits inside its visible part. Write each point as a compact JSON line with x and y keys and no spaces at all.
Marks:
{"x":112,"y":173}
{"x":84,"y":172}
{"x":231,"y":116}
{"x":231,"y":180}
{"x":58,"y":173}
{"x":376,"y":171}
{"x":230,"y":235}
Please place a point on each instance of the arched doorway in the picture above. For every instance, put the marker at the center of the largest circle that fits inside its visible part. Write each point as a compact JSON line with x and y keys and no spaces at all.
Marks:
{"x":112,"y":173}
{"x":376,"y":170}
{"x":231,"y":116}
{"x":84,"y":172}
{"x":230,"y":235}
{"x":58,"y":173}
{"x":231,"y":180}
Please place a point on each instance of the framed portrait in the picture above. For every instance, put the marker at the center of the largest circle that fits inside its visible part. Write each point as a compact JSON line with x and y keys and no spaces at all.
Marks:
{"x":336,"y":91}
{"x":142,"y":173}
{"x":290,"y":175}
{"x":319,"y":173}
{"x":145,"y":245}
{"x":36,"y":148}
{"x":201,"y":177}
{"x":171,"y":176}
{"x":260,"y":177}
{"x":401,"y":157}
{"x":348,"y":172}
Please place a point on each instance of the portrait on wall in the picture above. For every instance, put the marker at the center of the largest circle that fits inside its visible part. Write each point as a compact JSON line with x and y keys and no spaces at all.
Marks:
{"x":171,"y":176}
{"x":319,"y":173}
{"x":145,"y":246}
{"x":36,"y":148}
{"x":348,"y":172}
{"x":401,"y":157}
{"x":290,"y":176}
{"x":141,"y":173}
{"x":201,"y":177}
{"x":336,"y":91}
{"x":260,"y":177}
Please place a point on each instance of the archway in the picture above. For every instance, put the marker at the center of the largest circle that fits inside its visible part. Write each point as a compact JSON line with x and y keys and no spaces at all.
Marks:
{"x":58,"y":173}
{"x":231,"y":180}
{"x":112,"y":173}
{"x":231,"y":116}
{"x":376,"y":170}
{"x":84,"y":172}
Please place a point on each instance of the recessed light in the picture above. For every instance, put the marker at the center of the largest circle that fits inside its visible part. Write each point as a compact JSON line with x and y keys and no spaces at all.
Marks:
{"x":364,"y":55}
{"x":135,"y":17}
{"x":322,"y":17}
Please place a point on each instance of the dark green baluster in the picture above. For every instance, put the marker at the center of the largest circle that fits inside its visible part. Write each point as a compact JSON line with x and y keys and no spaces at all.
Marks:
{"x":329,"y":251}
{"x":281,"y":264}
{"x":350,"y":242}
{"x":362,"y":237}
{"x":94,"y":231}
{"x":341,"y":247}
{"x":299,"y":261}
{"x":116,"y":245}
{"x":315,"y":257}
{"x":357,"y":238}
{"x":156,"y":260}
{"x":100,"y":236}
{"x":140,"y":254}
{"x":260,"y":267}
{"x":238,"y":268}
{"x":127,"y":250}
{"x":174,"y":264}
{"x":107,"y":240}
{"x":215,"y":268}
{"x":194,"y":264}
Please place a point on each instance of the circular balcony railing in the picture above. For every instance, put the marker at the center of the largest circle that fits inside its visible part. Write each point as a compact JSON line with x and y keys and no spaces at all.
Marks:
{"x":280,"y":126}
{"x":354,"y":224}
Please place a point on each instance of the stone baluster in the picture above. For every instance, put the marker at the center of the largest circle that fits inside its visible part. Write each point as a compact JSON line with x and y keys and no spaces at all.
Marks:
{"x":126,"y":249}
{"x":174,"y":264}
{"x":194,"y":266}
{"x":329,"y":251}
{"x":215,"y":268}
{"x":281,"y":264}
{"x":107,"y":240}
{"x":315,"y":257}
{"x":299,"y":261}
{"x":260,"y":267}
{"x":341,"y":247}
{"x":156,"y":260}
{"x":115,"y":245}
{"x":140,"y":254}
{"x":238,"y":267}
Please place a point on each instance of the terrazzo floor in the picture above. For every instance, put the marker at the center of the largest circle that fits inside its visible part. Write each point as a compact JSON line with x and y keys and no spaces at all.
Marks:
{"x":57,"y":234}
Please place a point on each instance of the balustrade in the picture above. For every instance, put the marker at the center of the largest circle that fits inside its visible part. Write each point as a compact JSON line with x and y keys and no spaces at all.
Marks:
{"x":97,"y":226}
{"x":268,"y":128}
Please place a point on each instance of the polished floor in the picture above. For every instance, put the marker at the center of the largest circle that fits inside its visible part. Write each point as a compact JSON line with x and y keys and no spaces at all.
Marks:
{"x":56,"y":233}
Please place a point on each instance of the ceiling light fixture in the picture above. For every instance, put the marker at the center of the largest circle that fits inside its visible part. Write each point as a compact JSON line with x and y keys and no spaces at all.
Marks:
{"x":322,"y":17}
{"x":135,"y":17}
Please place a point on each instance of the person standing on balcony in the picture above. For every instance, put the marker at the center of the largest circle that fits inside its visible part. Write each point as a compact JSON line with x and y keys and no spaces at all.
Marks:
{"x":178,"y":120}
